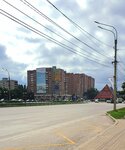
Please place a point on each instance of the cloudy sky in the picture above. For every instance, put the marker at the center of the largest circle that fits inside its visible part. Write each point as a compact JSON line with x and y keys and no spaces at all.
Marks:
{"x":43,"y":37}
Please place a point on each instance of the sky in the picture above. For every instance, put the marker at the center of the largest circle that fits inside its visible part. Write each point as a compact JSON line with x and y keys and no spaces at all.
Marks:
{"x":71,"y":40}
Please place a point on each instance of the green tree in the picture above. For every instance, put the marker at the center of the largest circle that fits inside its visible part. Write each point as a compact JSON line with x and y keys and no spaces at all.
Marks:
{"x":122,"y":93}
{"x":19,"y":92}
{"x":123,"y":86}
{"x":91,"y":93}
{"x":3,"y":93}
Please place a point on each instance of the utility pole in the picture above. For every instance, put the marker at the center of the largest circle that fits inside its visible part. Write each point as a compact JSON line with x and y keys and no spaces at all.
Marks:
{"x":115,"y":74}
{"x":115,"y":57}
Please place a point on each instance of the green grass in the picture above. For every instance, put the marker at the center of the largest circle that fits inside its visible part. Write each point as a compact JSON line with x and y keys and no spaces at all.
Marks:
{"x":118,"y":114}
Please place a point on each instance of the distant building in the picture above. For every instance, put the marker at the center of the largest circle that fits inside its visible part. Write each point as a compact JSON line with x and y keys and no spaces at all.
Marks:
{"x":49,"y":82}
{"x":77,"y":84}
{"x":4,"y":83}
{"x":105,"y":93}
{"x":31,"y":81}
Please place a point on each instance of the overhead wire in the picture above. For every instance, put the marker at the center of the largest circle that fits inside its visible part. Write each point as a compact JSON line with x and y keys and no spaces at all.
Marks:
{"x":6,"y":14}
{"x":121,"y":60}
{"x":121,"y":65}
{"x":53,"y":22}
{"x":78,"y":26}
{"x":47,"y":28}
{"x":122,"y":68}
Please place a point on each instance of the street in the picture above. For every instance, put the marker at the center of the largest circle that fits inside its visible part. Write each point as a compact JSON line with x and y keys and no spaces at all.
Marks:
{"x":52,"y":127}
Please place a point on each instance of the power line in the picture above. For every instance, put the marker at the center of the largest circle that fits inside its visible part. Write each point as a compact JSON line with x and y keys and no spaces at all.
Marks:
{"x":46,"y":27}
{"x":44,"y":35}
{"x":50,"y":20}
{"x":122,"y":67}
{"x":77,"y":26}
{"x":121,"y":60}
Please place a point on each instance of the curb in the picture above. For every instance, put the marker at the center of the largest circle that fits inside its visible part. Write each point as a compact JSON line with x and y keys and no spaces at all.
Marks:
{"x":114,"y":120}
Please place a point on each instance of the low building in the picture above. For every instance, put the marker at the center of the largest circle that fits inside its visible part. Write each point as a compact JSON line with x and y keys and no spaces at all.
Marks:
{"x":4,"y":83}
{"x":105,"y":94}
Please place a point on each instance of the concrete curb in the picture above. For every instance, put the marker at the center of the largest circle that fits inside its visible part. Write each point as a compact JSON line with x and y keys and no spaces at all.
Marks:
{"x":87,"y":142}
{"x":114,"y":120}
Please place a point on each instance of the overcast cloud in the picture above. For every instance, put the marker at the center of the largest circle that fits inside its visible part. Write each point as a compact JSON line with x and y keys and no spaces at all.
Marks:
{"x":22,"y":49}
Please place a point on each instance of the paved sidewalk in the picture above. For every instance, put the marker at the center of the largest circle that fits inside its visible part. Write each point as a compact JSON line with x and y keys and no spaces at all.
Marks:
{"x":111,"y":139}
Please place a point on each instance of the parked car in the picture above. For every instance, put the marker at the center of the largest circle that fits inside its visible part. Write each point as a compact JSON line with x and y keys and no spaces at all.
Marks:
{"x":119,"y":100}
{"x":96,"y":100}
{"x":2,"y":100}
{"x":108,"y":100}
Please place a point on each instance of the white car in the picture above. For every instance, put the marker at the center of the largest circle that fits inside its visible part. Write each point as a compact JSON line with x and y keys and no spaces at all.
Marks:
{"x":108,"y":101}
{"x":119,"y":100}
{"x":96,"y":100}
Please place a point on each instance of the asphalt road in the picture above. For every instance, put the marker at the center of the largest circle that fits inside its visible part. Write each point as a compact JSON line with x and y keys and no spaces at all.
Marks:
{"x":52,"y":127}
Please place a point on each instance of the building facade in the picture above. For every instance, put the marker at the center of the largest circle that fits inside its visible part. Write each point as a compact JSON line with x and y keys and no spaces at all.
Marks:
{"x":4,"y":83}
{"x":46,"y":83}
{"x":31,"y":81}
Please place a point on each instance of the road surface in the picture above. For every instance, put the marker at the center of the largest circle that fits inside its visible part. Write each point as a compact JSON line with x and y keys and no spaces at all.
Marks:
{"x":56,"y":127}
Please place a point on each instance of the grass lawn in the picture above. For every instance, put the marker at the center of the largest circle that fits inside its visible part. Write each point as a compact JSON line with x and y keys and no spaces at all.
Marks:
{"x":118,"y":114}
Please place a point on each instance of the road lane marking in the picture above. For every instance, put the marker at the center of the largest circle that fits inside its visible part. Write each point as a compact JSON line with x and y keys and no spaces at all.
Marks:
{"x":66,"y":138}
{"x":69,"y":142}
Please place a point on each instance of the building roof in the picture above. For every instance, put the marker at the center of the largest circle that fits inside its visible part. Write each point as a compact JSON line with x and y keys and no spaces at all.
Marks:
{"x":105,"y":93}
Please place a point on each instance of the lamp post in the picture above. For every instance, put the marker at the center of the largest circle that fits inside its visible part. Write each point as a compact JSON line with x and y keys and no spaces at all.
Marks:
{"x":115,"y":57}
{"x":9,"y":96}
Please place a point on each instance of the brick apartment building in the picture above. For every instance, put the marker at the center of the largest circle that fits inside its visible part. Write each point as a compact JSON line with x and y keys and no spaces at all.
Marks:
{"x":77,"y":84}
{"x":48,"y":82}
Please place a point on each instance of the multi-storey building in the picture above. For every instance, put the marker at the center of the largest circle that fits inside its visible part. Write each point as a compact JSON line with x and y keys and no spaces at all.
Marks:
{"x":49,"y":82}
{"x":77,"y":84}
{"x":58,"y":81}
{"x":69,"y":84}
{"x":31,"y":81}
{"x":5,"y":83}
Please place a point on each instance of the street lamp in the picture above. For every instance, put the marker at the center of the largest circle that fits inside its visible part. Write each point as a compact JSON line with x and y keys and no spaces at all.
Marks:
{"x":8,"y":82}
{"x":115,"y":57}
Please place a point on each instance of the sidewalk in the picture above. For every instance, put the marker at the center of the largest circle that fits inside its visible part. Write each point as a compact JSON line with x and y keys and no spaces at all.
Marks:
{"x":111,"y":139}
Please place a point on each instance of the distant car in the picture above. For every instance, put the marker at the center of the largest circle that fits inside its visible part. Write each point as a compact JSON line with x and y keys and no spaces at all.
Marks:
{"x":96,"y":100}
{"x":2,"y":100}
{"x":13,"y":100}
{"x":20,"y":100}
{"x":108,"y":101}
{"x":119,"y":100}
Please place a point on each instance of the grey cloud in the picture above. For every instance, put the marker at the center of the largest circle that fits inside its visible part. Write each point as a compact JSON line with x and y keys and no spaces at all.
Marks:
{"x":22,"y":29}
{"x":67,"y":7}
{"x":55,"y":56}
{"x":2,"y":52}
{"x":33,"y":40}
{"x":117,"y":8}
{"x":66,"y":4}
{"x":13,"y":67}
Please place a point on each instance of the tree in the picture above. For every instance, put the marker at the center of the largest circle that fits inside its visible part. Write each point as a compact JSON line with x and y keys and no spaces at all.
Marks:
{"x":20,"y":92}
{"x":91,"y":93}
{"x":122,"y":93}
{"x":123,"y":86}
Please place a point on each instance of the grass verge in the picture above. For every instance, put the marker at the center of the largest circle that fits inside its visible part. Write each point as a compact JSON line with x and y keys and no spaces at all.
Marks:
{"x":117,"y":114}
